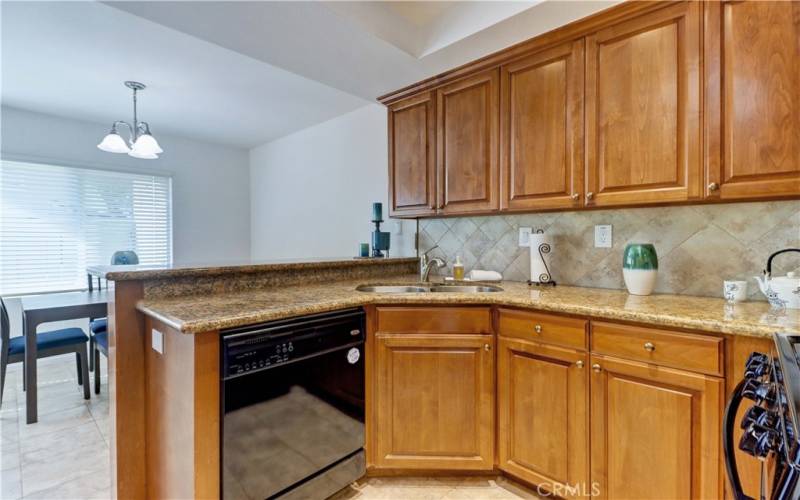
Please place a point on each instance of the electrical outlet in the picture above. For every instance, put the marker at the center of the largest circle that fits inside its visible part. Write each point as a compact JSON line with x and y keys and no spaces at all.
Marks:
{"x":525,"y":236}
{"x":602,"y":236}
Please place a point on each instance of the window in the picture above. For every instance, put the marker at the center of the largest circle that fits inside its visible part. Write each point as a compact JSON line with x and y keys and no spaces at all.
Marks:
{"x":55,"y":221}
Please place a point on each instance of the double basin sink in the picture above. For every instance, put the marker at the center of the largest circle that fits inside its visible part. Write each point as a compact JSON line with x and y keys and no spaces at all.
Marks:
{"x":426,"y":288}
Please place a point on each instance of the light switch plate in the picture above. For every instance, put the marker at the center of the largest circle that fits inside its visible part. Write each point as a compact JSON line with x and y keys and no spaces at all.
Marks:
{"x":158,"y":341}
{"x":524,"y":236}
{"x":602,"y":236}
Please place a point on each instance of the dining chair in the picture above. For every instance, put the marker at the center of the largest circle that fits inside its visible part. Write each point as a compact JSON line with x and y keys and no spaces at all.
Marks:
{"x":50,"y":343}
{"x":100,"y":345}
{"x":100,"y":325}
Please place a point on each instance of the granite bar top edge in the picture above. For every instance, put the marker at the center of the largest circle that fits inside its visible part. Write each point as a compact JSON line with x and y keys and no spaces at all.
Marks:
{"x":132,"y":273}
{"x":346,"y":296}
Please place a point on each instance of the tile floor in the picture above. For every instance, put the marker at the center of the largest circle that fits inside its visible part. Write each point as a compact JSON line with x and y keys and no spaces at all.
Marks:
{"x":64,"y":456}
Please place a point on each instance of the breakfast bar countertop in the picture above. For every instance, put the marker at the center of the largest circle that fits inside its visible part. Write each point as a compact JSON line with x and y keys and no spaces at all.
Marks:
{"x":207,"y":312}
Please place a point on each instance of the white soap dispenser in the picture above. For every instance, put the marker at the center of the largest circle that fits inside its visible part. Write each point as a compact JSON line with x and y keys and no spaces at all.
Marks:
{"x":458,"y":269}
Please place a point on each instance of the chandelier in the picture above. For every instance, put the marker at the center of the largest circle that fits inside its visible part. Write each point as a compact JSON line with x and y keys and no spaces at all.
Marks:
{"x":140,"y":144}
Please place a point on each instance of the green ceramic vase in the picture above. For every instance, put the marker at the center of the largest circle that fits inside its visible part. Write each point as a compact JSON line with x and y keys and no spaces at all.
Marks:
{"x":640,"y":268}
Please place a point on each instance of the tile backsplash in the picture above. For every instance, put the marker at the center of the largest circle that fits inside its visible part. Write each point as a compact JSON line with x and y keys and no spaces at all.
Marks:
{"x":698,"y":246}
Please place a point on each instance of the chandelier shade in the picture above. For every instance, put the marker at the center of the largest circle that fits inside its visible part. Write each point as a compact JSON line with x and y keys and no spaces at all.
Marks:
{"x":113,"y":143}
{"x":147,"y":144}
{"x":140,"y":144}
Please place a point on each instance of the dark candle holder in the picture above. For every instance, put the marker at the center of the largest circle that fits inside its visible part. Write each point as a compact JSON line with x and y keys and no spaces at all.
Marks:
{"x":380,"y":240}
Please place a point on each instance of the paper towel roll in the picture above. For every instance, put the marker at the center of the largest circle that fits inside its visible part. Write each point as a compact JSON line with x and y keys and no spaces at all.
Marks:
{"x":541,"y":246}
{"x":480,"y":275}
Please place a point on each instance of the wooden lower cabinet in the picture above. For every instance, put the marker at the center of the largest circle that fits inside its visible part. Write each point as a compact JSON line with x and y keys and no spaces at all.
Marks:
{"x":543,"y":415}
{"x":434,"y":401}
{"x":655,"y":432}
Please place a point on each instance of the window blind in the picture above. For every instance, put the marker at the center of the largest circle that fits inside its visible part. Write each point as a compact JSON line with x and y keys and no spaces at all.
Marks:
{"x":56,"y":220}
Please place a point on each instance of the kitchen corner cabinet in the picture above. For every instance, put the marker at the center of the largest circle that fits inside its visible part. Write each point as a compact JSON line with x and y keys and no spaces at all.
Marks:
{"x":752,"y":99}
{"x":543,"y":414}
{"x":433,"y":398}
{"x":467,"y":138}
{"x":654,"y":429}
{"x":643,"y":109}
{"x":541,"y":130}
{"x":412,"y":174}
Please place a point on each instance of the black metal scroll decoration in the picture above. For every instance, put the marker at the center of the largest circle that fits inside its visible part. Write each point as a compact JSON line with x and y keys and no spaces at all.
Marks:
{"x":545,"y":278}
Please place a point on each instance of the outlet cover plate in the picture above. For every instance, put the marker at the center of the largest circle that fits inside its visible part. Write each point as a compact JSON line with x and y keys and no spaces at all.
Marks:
{"x":525,"y":236}
{"x":158,"y":341}
{"x":603,"y":236}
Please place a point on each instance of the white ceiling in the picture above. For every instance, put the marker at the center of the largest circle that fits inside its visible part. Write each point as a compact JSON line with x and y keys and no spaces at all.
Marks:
{"x":244,"y":73}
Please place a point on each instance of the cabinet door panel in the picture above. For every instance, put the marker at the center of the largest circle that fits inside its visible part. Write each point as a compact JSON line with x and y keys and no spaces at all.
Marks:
{"x":543,"y":427}
{"x":655,"y":431}
{"x":412,"y":183}
{"x":542,"y":129}
{"x":643,"y":109}
{"x":467,"y":114}
{"x":435,"y":404}
{"x":753,"y":103}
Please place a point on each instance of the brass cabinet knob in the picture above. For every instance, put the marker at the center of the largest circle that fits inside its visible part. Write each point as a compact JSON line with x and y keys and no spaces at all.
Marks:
{"x":589,"y":195}
{"x":596,"y":368}
{"x":579,"y":363}
{"x":649,"y":346}
{"x":487,"y":347}
{"x":575,"y":196}
{"x":537,"y":328}
{"x":713,"y":186}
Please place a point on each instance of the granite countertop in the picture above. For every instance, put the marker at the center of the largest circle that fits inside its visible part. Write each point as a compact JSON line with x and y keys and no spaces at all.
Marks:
{"x":197,"y":313}
{"x":150,"y":272}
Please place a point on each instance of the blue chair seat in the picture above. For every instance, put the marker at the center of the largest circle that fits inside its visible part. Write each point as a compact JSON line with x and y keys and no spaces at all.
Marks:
{"x":102,"y":341}
{"x":49,"y":340}
{"x":99,"y":325}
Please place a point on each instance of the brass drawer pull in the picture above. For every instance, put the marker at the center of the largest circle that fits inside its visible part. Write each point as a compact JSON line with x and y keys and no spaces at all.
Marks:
{"x":649,"y":346}
{"x":579,"y":363}
{"x":589,"y":195}
{"x":487,"y":347}
{"x":713,"y":186}
{"x":596,"y":368}
{"x":537,"y":328}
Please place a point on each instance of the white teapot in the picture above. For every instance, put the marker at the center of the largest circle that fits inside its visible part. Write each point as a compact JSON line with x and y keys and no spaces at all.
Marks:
{"x":781,"y":291}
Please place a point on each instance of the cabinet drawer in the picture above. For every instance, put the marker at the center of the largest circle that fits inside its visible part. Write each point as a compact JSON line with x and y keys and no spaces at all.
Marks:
{"x":543,"y":327}
{"x":687,"y":351}
{"x":434,"y":320}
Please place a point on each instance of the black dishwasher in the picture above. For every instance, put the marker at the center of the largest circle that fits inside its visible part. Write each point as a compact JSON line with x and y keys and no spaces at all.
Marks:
{"x":293,"y":407}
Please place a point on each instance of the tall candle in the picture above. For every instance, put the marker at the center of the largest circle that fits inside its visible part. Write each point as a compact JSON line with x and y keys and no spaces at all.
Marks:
{"x":377,"y":211}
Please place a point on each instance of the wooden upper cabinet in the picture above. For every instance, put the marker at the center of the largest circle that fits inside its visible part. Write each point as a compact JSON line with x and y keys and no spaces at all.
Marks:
{"x":655,"y":432}
{"x":643,"y":109}
{"x":753,"y":99}
{"x":541,"y":130}
{"x":467,"y":132}
{"x":543,"y":415}
{"x":412,"y":179}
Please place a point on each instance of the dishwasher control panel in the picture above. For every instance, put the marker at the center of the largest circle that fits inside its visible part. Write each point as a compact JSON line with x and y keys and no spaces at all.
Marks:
{"x":264,"y":346}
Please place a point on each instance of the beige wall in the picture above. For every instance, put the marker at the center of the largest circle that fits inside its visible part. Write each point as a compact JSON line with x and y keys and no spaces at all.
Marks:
{"x":698,"y":246}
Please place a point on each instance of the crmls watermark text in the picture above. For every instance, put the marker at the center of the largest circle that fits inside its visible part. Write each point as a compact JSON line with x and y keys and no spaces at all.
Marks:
{"x":569,"y":490}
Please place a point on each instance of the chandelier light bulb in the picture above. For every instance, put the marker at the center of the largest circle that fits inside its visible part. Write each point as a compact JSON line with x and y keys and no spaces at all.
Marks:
{"x":142,"y":155}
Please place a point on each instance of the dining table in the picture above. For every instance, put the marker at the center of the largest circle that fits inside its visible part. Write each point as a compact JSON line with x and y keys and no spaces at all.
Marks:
{"x":46,"y":308}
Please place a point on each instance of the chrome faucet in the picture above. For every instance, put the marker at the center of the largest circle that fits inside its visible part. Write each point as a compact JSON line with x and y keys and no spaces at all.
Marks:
{"x":426,"y":264}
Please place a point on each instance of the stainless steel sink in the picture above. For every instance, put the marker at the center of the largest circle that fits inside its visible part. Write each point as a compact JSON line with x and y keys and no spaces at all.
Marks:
{"x":392,"y":288}
{"x":428,"y":288}
{"x":466,"y":288}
